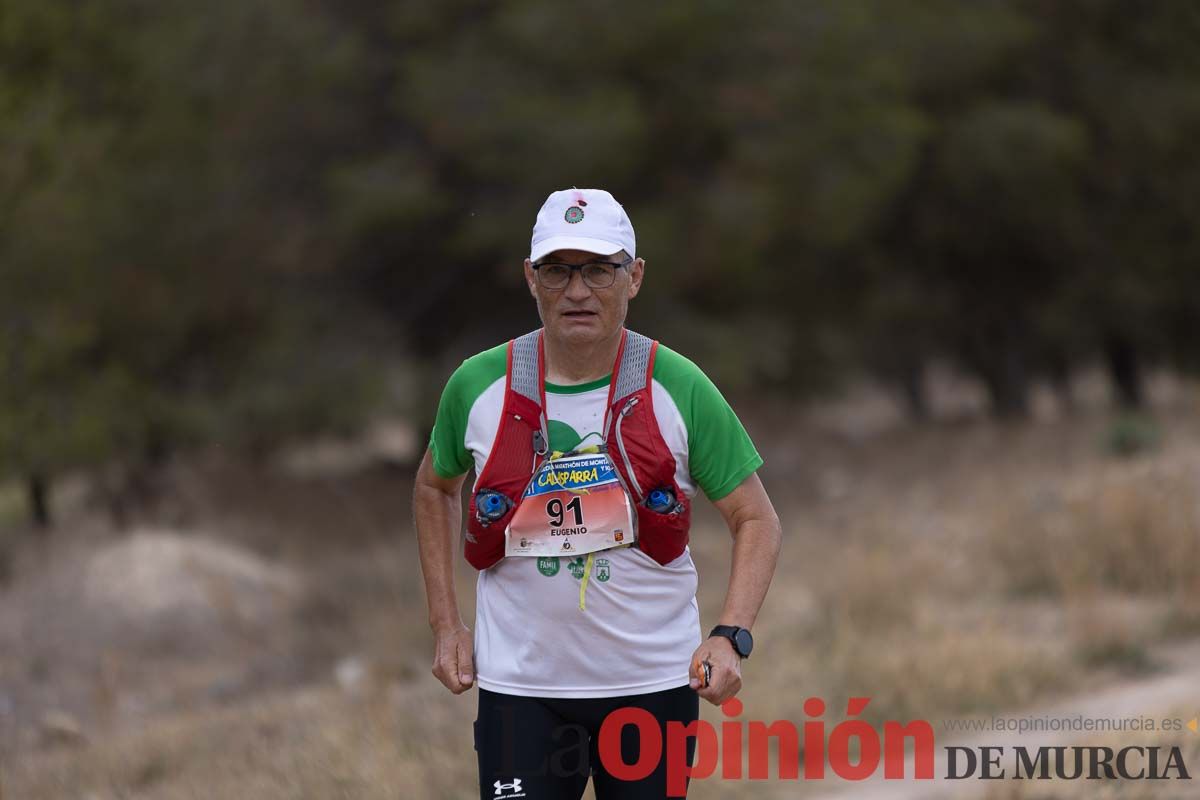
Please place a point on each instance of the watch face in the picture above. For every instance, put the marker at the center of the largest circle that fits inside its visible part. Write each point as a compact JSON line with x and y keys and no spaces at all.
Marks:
{"x":744,"y":642}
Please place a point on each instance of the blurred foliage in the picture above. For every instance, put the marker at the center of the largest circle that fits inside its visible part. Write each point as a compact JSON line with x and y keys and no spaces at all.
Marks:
{"x":213,"y":215}
{"x":1132,"y":434}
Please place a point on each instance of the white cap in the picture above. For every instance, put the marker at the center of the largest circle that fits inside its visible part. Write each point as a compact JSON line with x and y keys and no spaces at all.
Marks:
{"x":582,"y":219}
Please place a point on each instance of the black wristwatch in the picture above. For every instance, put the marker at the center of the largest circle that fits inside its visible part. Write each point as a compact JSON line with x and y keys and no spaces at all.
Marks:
{"x":742,"y":641}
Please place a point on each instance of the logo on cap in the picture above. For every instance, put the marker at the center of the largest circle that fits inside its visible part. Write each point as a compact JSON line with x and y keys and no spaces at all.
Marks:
{"x":574,"y":214}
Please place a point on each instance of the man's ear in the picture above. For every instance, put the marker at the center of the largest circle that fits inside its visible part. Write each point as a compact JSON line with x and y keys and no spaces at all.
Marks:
{"x":530,"y":278}
{"x":637,"y":271}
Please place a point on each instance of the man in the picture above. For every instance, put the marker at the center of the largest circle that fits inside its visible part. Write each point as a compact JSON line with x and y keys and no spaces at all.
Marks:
{"x":588,"y":442}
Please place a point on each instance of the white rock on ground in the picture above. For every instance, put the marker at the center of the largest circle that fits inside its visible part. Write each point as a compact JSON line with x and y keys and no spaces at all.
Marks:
{"x":159,"y":576}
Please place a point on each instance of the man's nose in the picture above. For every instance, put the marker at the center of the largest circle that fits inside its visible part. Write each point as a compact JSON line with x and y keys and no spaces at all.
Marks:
{"x":576,"y":288}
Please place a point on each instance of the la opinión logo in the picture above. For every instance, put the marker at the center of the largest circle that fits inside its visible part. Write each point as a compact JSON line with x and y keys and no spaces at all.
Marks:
{"x":871,"y":747}
{"x":757,"y":737}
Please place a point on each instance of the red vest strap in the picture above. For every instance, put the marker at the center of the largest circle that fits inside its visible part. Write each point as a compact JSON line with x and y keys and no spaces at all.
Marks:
{"x":514,"y":456}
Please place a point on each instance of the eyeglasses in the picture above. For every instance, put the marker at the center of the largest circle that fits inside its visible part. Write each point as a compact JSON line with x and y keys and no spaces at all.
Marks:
{"x":596,"y":274}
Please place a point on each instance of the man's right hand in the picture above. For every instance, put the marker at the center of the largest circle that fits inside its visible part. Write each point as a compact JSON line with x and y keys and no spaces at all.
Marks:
{"x":454,"y":658}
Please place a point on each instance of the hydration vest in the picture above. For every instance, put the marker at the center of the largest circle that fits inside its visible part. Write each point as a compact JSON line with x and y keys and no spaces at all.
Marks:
{"x":631,"y":437}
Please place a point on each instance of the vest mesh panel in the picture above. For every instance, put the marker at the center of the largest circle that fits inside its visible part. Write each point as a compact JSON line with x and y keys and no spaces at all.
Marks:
{"x":525,"y":367}
{"x":631,"y":376}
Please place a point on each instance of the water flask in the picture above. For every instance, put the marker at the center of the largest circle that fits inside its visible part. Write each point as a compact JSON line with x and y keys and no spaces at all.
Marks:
{"x":661,"y":500}
{"x":491,"y":505}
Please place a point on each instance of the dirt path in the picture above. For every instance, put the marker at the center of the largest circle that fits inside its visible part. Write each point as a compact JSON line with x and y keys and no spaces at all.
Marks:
{"x":1178,"y":684}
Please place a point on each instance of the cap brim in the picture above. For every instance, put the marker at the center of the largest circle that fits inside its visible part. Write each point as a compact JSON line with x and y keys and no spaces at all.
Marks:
{"x":598,"y":246}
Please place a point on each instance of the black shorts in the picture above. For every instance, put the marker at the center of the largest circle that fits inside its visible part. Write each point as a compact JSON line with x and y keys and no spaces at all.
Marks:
{"x":539,"y":748}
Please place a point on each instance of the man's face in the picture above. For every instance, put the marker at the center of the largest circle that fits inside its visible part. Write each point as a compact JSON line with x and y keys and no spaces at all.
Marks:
{"x":578,"y":313}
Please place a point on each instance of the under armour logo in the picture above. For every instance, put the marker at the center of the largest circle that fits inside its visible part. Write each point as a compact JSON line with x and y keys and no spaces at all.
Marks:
{"x":515,"y":786}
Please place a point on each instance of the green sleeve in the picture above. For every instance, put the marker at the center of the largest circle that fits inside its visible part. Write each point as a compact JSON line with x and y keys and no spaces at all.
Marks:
{"x":447,"y":443}
{"x":720,"y":452}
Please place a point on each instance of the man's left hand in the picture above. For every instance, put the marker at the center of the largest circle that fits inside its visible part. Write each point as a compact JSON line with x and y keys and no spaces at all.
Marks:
{"x":725,"y":674}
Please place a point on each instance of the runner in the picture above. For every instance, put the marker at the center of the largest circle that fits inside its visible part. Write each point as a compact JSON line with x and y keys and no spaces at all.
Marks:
{"x":588,"y":443}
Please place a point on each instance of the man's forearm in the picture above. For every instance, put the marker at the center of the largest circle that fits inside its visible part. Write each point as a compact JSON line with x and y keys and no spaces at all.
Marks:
{"x":755,"y":551}
{"x":438,"y":516}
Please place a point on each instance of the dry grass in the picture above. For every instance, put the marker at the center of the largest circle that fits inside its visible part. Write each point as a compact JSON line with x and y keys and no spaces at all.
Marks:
{"x":315,"y":743}
{"x":1116,"y":548}
{"x":1130,"y":528}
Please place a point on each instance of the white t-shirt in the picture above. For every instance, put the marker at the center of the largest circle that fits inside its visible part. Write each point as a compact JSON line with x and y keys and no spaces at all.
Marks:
{"x":640,"y":623}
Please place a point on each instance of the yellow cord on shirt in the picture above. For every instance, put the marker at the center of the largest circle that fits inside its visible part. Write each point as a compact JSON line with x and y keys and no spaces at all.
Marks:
{"x":587,"y":571}
{"x":578,"y":451}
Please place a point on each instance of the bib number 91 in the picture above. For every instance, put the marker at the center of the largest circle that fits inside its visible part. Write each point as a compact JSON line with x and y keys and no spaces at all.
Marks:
{"x":556,"y":511}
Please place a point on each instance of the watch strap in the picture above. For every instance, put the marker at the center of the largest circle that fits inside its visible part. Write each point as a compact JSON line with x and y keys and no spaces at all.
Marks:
{"x":729,"y":632}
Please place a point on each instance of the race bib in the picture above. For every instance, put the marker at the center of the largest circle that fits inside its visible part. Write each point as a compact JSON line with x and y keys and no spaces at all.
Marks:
{"x":574,"y":505}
